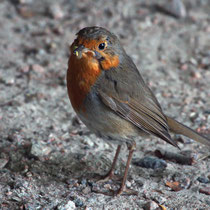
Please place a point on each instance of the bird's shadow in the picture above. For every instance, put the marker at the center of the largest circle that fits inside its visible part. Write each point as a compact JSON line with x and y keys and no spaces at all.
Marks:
{"x":54,"y":167}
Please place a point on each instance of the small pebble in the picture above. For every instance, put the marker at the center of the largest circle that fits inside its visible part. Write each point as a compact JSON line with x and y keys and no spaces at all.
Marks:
{"x":37,"y":68}
{"x":3,"y":162}
{"x":175,"y":186}
{"x":107,"y":186}
{"x":193,"y":61}
{"x":91,"y":200}
{"x":86,"y":190}
{"x":25,"y":69}
{"x":91,"y":184}
{"x":184,"y":67}
{"x":25,"y":12}
{"x":193,"y":116}
{"x":205,"y":62}
{"x":78,"y":202}
{"x":56,"y":11}
{"x":128,"y":184}
{"x":83,"y":182}
{"x":160,"y":199}
{"x":9,"y":80}
{"x":203,"y":180}
{"x":150,"y":162}
{"x":196,"y":75}
{"x":208,"y":202}
{"x":205,"y":190}
{"x":175,"y":8}
{"x":40,"y":149}
{"x":88,"y":141}
{"x":69,"y":206}
{"x":71,"y":182}
{"x":151,"y":205}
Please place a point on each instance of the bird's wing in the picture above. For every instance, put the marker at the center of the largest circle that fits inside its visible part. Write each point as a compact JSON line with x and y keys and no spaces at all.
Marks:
{"x":150,"y":120}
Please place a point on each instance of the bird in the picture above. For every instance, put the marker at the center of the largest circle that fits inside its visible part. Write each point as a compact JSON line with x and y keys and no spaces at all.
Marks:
{"x":109,"y":95}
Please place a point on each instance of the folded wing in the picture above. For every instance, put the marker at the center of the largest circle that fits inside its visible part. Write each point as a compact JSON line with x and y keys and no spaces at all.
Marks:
{"x":150,"y":121}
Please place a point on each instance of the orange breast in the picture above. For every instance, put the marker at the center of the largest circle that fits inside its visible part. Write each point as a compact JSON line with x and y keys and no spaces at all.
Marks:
{"x":81,"y":76}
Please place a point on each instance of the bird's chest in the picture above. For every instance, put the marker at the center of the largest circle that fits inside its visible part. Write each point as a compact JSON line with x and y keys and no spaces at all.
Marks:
{"x":81,"y":76}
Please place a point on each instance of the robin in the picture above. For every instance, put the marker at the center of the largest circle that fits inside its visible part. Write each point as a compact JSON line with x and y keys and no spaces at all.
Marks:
{"x":109,"y":95}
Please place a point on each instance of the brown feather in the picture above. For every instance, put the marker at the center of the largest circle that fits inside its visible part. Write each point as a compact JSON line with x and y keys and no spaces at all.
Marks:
{"x":145,"y":119}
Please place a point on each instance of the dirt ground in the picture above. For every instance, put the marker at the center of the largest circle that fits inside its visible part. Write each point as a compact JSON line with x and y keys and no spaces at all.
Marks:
{"x":48,"y":158}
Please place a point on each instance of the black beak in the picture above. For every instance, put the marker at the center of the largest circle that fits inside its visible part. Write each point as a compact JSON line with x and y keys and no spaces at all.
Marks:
{"x":79,"y":50}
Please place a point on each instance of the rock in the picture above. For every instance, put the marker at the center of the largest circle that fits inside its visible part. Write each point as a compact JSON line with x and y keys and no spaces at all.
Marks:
{"x":88,"y":141}
{"x":205,"y":190}
{"x":175,"y":8}
{"x":69,"y":206}
{"x":40,"y":149}
{"x":3,"y":162}
{"x":150,"y":162}
{"x":78,"y":202}
{"x":151,"y":205}
{"x":55,"y":11}
{"x":203,"y":180}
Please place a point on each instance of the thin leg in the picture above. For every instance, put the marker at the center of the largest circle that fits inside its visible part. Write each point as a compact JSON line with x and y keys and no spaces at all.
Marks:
{"x":110,"y":174}
{"x":131,"y":148}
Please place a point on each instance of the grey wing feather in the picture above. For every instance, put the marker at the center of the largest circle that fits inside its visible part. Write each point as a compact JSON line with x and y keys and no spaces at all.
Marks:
{"x":140,"y":116}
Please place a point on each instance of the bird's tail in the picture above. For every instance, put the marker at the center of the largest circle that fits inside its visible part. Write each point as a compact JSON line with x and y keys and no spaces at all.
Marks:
{"x":179,"y":128}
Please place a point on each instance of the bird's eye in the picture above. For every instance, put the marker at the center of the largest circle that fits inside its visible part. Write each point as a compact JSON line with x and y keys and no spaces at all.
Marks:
{"x":101,"y":46}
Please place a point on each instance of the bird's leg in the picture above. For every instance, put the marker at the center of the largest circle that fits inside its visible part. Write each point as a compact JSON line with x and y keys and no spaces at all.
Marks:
{"x":110,"y":174}
{"x":131,"y":148}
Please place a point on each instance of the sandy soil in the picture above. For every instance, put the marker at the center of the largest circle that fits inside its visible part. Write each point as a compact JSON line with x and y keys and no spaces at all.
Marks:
{"x":48,"y":158}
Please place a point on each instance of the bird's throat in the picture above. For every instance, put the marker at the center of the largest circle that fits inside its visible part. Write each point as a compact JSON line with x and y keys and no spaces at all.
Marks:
{"x":81,"y":76}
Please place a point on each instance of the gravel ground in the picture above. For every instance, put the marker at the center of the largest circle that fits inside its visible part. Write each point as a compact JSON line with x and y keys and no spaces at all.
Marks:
{"x":48,"y":158}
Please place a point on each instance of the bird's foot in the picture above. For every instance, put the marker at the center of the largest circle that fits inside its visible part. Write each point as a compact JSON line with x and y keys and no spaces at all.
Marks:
{"x":107,"y":177}
{"x":120,"y":191}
